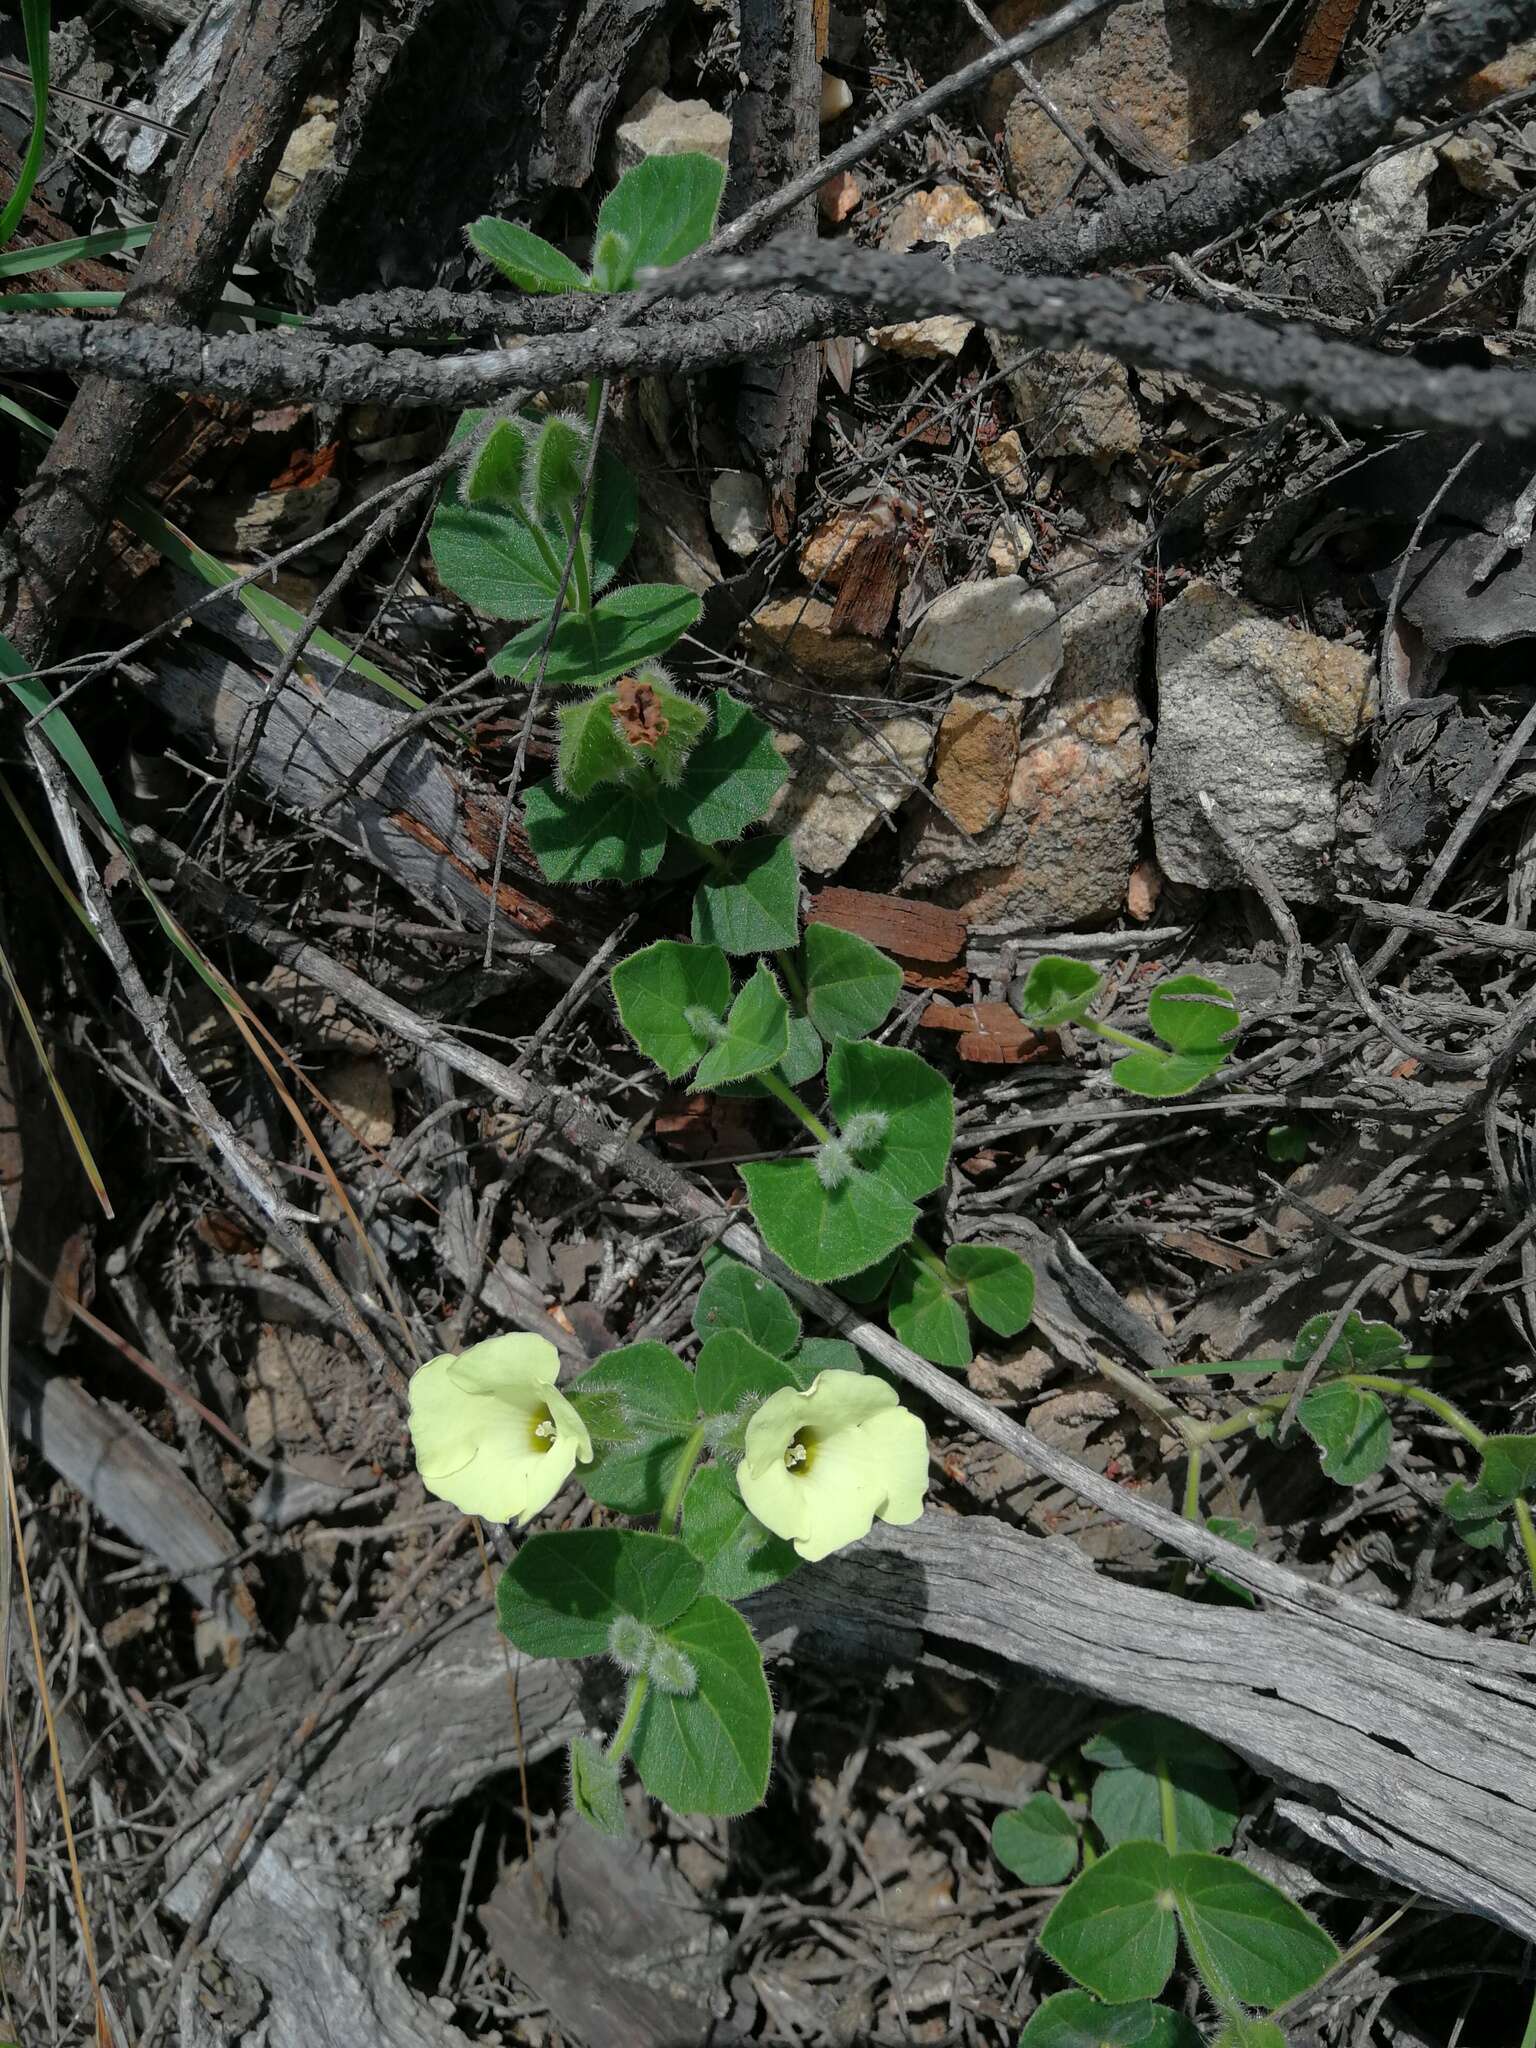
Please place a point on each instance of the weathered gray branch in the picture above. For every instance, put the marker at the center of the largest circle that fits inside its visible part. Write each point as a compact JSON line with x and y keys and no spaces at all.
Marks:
{"x":843,"y":288}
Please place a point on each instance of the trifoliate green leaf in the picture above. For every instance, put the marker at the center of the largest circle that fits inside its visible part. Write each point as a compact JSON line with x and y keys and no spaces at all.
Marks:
{"x":1161,"y":1075}
{"x":1076,"y":2019}
{"x":999,"y":1286}
{"x":733,"y":1374}
{"x":1361,"y":1346}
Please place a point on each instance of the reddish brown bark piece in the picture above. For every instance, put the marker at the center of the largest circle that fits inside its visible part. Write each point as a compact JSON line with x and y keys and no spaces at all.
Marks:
{"x":991,"y":1034}
{"x":913,"y":931}
{"x":1322,"y":39}
{"x":870,"y":586}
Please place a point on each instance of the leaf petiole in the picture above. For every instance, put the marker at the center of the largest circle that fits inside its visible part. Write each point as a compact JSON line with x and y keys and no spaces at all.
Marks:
{"x":624,"y":1734}
{"x":672,"y":1506}
{"x":791,"y":1101}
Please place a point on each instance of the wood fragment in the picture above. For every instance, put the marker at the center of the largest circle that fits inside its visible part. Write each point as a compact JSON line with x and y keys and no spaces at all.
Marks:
{"x":914,"y":931}
{"x":869,"y":587}
{"x":1322,"y":39}
{"x":991,"y":1034}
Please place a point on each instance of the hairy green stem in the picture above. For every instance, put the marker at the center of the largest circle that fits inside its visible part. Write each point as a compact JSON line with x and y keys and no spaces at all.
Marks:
{"x":624,"y":1734}
{"x":672,"y":1506}
{"x":581,"y":574}
{"x":1190,"y":1509}
{"x":782,"y":1092}
{"x":927,"y":1256}
{"x":793,"y":979}
{"x":1527,"y":1527}
{"x":1448,"y":1412}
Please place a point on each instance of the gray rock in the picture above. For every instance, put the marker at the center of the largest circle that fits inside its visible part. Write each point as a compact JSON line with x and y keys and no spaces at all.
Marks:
{"x":1261,"y":717}
{"x":660,"y":126}
{"x":738,"y":510}
{"x":841,"y":788}
{"x":1002,"y":634}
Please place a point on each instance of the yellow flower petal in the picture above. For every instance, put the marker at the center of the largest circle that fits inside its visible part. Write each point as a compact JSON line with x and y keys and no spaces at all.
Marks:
{"x":491,"y":1433}
{"x":819,"y":1467}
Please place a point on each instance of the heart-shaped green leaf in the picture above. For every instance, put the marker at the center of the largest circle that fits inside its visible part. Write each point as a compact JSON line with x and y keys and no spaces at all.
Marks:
{"x":1113,"y":1929}
{"x":732,"y":777}
{"x":733,"y":1374}
{"x":656,"y":989}
{"x":708,"y":1751}
{"x":869,"y":1284}
{"x":999,"y":1286}
{"x":526,"y":259}
{"x":591,"y":748}
{"x":751,"y":903}
{"x":1161,"y":1075}
{"x":916,"y":1103}
{"x":640,"y":1407}
{"x":613,"y":834}
{"x":740,"y":1557}
{"x":1258,"y":1945}
{"x":1037,"y":1841}
{"x":1479,"y":1520}
{"x":1127,"y":1805}
{"x":756,"y":1034}
{"x":1351,"y":1427}
{"x":1509,"y":1468}
{"x":663,"y":209}
{"x":823,"y":1354}
{"x":825,"y":1233}
{"x":1058,"y":992}
{"x":1143,"y":1741}
{"x":1361,"y":1346}
{"x":735,"y":1298}
{"x":850,"y":985}
{"x":927,"y":1313}
{"x":562,"y":1592}
{"x":1193,"y":1014}
{"x":1076,"y":2019}
{"x":588,"y":649}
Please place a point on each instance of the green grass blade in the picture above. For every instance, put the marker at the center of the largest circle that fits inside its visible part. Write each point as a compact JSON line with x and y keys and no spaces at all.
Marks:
{"x":34,"y":16}
{"x":35,"y":699}
{"x":75,"y":249}
{"x":71,"y":1121}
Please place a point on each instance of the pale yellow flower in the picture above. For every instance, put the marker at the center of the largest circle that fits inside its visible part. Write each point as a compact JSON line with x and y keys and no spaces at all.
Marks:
{"x":819,"y":1467}
{"x":490,"y":1432}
